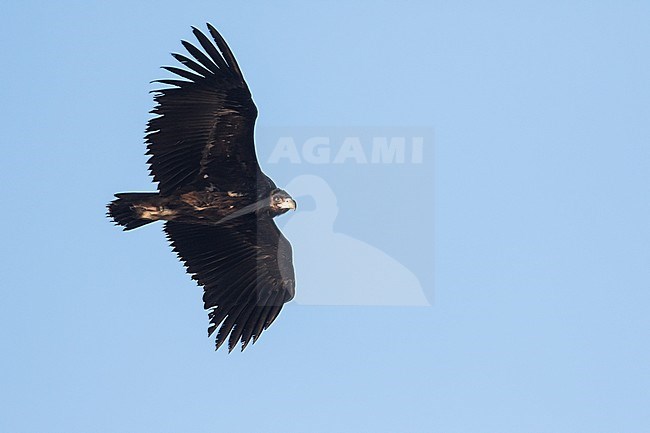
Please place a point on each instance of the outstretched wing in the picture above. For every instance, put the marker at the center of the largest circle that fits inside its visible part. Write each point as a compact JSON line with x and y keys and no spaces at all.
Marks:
{"x":246,"y":269}
{"x":203,"y":132}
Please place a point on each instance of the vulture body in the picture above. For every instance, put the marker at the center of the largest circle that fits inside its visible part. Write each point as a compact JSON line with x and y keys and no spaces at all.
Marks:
{"x":216,"y":203}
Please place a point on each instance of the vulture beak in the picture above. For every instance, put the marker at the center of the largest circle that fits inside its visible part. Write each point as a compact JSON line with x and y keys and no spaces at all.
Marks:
{"x":288,"y":203}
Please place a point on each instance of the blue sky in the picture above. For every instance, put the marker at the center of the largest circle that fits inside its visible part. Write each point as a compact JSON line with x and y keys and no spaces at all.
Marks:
{"x":525,"y":223}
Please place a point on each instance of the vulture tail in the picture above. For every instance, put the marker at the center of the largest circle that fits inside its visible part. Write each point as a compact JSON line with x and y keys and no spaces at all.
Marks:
{"x":130,"y":209}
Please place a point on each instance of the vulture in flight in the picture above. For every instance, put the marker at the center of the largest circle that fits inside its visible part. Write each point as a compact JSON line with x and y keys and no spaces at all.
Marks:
{"x":216,"y":204}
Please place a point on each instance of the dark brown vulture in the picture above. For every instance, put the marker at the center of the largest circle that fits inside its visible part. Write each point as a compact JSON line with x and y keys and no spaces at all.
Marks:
{"x":216,"y":204}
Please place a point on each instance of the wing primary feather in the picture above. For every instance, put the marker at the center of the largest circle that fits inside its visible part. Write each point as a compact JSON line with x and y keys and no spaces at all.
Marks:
{"x":227,"y":54}
{"x":211,"y":50}
{"x":240,"y":322}
{"x":274,"y":311}
{"x":217,"y":316}
{"x":177,"y":83}
{"x":192,"y":65}
{"x":227,"y":325}
{"x":201,"y":58}
{"x":259,"y":326}
{"x":249,"y":328}
{"x":182,"y":73}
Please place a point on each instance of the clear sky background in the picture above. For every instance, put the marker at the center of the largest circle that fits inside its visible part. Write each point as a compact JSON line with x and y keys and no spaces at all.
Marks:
{"x":526,"y":224}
